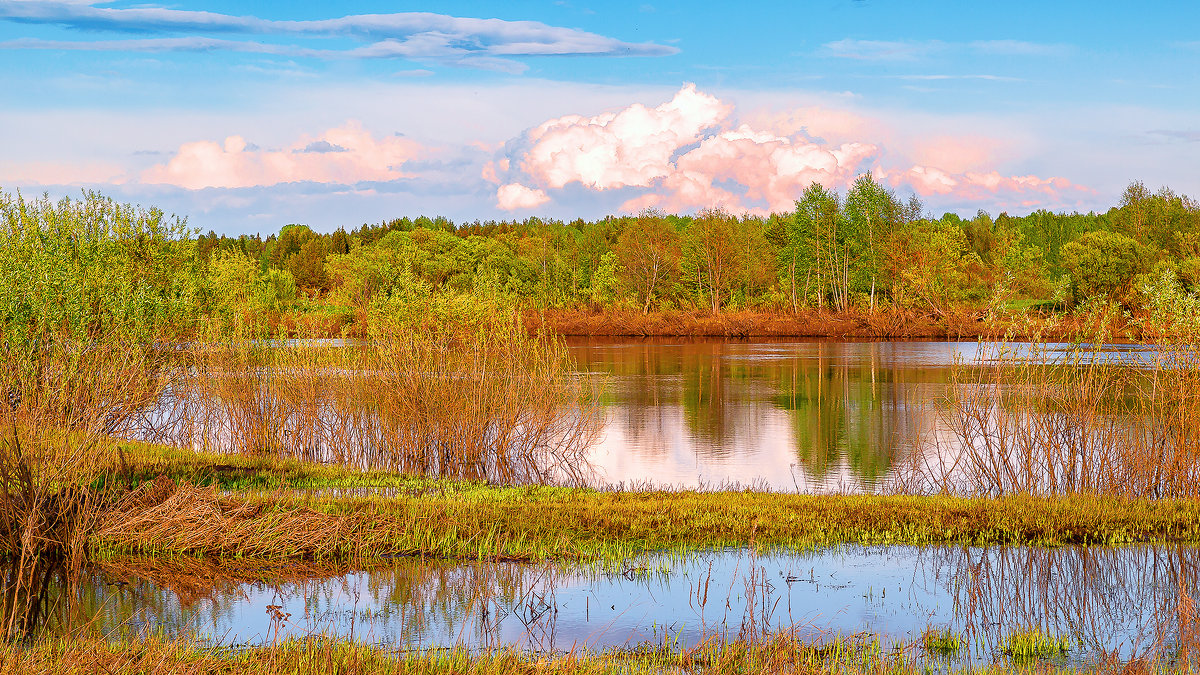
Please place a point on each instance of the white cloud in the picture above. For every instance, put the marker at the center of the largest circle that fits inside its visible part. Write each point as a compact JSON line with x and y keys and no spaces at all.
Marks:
{"x":514,"y":196}
{"x":631,"y":147}
{"x":687,"y":154}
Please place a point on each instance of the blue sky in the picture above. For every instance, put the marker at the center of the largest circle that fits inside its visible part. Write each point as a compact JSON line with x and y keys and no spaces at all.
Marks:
{"x":247,"y":116}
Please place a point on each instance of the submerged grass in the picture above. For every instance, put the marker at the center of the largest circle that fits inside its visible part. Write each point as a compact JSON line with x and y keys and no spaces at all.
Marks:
{"x":474,"y":520}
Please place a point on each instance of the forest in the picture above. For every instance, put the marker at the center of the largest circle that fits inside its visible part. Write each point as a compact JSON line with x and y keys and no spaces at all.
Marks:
{"x":864,"y":251}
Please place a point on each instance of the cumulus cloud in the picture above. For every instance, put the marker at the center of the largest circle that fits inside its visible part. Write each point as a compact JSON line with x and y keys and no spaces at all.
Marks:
{"x":426,"y":36}
{"x":514,"y":196}
{"x":691,"y":153}
{"x":344,"y":155}
{"x":631,"y":147}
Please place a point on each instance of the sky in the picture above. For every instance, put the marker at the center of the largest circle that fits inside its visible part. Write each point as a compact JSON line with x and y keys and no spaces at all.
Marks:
{"x":247,"y":116}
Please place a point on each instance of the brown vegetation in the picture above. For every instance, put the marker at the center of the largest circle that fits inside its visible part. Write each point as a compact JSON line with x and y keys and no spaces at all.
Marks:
{"x":750,"y":324}
{"x":481,"y":403}
{"x":1085,"y":421}
{"x":62,"y":400}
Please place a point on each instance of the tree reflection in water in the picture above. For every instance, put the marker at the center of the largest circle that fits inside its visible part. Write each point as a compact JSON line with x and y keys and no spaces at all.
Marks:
{"x":847,"y":409}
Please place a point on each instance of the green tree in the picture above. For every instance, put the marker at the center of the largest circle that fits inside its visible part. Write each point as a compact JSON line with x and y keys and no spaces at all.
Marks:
{"x":308,"y":265}
{"x":1103,"y":264}
{"x":717,"y":258}
{"x":649,"y":252}
{"x":871,"y":213}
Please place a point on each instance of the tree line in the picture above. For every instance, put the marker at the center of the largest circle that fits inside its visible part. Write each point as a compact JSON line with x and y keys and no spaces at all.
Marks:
{"x":863,"y":250}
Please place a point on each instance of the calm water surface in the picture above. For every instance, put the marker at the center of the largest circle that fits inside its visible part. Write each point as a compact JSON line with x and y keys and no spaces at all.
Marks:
{"x":804,"y":415}
{"x":1104,"y":600}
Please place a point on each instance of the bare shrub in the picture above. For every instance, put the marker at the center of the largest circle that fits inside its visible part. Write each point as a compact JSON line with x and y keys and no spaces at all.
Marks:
{"x":1029,"y":419}
{"x":64,"y":398}
{"x":480,"y":402}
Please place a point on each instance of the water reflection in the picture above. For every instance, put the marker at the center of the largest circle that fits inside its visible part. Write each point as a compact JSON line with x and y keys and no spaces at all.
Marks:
{"x":1111,"y":603}
{"x":789,"y":415}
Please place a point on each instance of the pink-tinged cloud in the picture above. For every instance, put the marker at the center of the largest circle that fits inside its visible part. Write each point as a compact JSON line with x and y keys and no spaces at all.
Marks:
{"x":633,"y":147}
{"x":690,"y":153}
{"x":514,"y":196}
{"x":61,"y":173}
{"x":347,"y":154}
{"x":986,"y":187}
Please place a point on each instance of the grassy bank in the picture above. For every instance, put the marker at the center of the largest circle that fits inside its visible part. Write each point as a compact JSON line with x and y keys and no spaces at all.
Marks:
{"x":272,"y":509}
{"x":780,"y":653}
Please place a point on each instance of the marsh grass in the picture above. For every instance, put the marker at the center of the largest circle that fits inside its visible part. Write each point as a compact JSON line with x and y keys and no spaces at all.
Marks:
{"x":252,"y":507}
{"x":1031,"y":644}
{"x":941,"y":641}
{"x":775,"y":653}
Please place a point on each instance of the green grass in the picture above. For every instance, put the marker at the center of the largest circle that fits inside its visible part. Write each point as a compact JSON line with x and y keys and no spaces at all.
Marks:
{"x":233,"y":472}
{"x":264,"y":516}
{"x":1033,"y":645}
{"x":941,"y":642}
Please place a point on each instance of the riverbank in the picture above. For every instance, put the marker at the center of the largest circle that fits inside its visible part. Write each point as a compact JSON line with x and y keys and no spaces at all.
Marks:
{"x":813,"y":323}
{"x":236,"y":507}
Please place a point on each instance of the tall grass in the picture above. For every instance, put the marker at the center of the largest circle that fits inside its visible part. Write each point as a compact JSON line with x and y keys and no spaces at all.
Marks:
{"x":1082,"y":419}
{"x":477,"y":402}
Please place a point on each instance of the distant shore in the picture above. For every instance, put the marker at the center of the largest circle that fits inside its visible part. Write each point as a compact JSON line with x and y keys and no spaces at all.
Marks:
{"x":815,"y":324}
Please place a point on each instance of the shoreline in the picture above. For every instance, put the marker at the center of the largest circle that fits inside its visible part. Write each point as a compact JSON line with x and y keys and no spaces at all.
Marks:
{"x":883,"y":325}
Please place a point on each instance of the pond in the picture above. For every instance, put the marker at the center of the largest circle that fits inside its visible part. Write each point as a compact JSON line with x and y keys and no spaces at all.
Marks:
{"x":1131,"y":602}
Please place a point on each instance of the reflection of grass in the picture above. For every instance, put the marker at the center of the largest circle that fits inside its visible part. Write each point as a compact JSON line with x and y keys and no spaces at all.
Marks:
{"x":1033,"y":644}
{"x":474,"y":520}
{"x":943,"y":642}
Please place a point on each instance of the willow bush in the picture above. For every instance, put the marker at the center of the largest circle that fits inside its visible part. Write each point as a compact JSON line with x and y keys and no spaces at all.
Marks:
{"x":473,"y":399}
{"x":1079,"y":419}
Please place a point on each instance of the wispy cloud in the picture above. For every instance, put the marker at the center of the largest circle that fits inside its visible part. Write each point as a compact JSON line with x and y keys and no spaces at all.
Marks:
{"x":878,"y":50}
{"x":913,"y":50}
{"x":422,"y":36}
{"x":930,"y":78}
{"x":1176,"y":135}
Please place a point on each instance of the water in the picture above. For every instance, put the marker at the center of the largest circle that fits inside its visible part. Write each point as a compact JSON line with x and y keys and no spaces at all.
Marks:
{"x":1131,"y":602}
{"x":800,"y":415}
{"x":807,"y":416}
